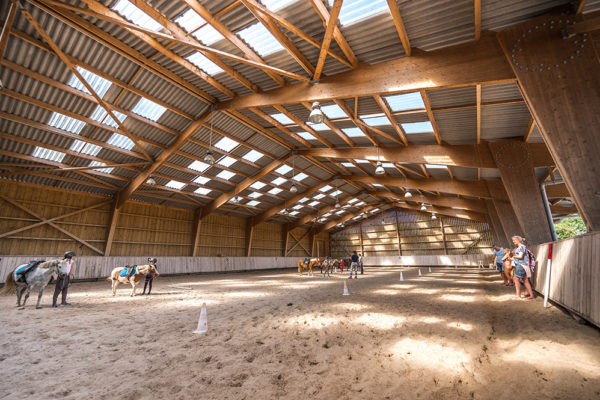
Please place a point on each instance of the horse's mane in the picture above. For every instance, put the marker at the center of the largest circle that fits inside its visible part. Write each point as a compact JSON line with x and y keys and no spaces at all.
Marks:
{"x":49,"y":264}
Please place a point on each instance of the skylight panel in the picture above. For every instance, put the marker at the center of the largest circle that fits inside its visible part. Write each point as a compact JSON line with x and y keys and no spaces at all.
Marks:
{"x":298,"y":206}
{"x":375,"y":119}
{"x":275,"y":191}
{"x":294,"y":213}
{"x":99,"y":84}
{"x":357,"y":217}
{"x":340,"y":212}
{"x":353,"y":201}
{"x":253,"y":203}
{"x":336,"y":193}
{"x":377,"y":184}
{"x":47,"y":154}
{"x":275,"y":5}
{"x":306,"y":136}
{"x":347,"y":164}
{"x":353,"y":132}
{"x":206,"y":65}
{"x":148,"y":109}
{"x":135,"y":15}
{"x":303,"y":200}
{"x":226,"y":144}
{"x":63,"y":122}
{"x":94,"y":163}
{"x":278,"y":181}
{"x":191,"y":21}
{"x":175,"y":185}
{"x":319,"y":127}
{"x":253,"y":156}
{"x":225,"y":175}
{"x":387,"y":165}
{"x":314,"y":204}
{"x":255,"y":195}
{"x":85,"y":148}
{"x":300,"y":177}
{"x":362,"y":203}
{"x":325,"y":188}
{"x":360,"y":161}
{"x":121,"y":141}
{"x":258,"y":185}
{"x":322,"y":219}
{"x":436,"y":166}
{"x":201,"y":180}
{"x":102,"y":116}
{"x":208,"y":35}
{"x":198,"y":166}
{"x":327,"y":214}
{"x":354,"y":11}
{"x":374,"y":210}
{"x":282,"y":119}
{"x":418,"y":127}
{"x":284,"y":169}
{"x":203,"y":191}
{"x":404,"y":102}
{"x":227,"y":161}
{"x":260,"y":39}
{"x":333,"y":111}
{"x":319,"y":196}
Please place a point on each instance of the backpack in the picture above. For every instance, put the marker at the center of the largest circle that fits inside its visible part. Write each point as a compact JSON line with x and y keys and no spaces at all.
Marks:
{"x":532,"y":260}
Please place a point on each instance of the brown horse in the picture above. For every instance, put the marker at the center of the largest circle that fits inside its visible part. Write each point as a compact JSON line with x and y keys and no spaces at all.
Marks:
{"x":308,"y":263}
{"x":140,"y":272}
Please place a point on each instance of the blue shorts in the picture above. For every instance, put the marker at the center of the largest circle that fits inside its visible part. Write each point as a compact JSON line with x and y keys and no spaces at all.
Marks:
{"x":520,"y":271}
{"x":499,"y":267}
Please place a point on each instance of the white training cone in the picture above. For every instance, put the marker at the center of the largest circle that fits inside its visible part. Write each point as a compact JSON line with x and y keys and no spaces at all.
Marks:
{"x":202,"y":322}
{"x":401,"y":276}
{"x":429,"y":269}
{"x":346,"y":292}
{"x":419,"y":271}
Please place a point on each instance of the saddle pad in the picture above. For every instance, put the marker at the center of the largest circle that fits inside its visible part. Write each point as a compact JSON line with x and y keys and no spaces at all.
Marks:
{"x":21,"y":268}
{"x":306,"y":261}
{"x":124,"y":271}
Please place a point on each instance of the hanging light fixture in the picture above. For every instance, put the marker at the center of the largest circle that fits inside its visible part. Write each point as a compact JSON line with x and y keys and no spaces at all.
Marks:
{"x":209,"y":158}
{"x":408,"y":194}
{"x":150,"y":181}
{"x":316,"y":115}
{"x":433,"y":216}
{"x":293,"y":188}
{"x":379,"y":170}
{"x":423,"y":208}
{"x":337,"y":200}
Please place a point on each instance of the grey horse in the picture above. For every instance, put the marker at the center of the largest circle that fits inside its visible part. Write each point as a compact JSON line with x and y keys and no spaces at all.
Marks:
{"x":39,"y":275}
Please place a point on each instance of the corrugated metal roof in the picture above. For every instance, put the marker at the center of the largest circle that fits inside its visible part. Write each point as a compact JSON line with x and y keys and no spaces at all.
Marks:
{"x":457,"y":126}
{"x":500,"y":92}
{"x":499,"y":14}
{"x":452,"y":97}
{"x":504,"y":121}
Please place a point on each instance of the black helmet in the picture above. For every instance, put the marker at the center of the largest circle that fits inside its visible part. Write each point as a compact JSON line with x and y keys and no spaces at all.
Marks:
{"x":69,"y":254}
{"x":150,"y":259}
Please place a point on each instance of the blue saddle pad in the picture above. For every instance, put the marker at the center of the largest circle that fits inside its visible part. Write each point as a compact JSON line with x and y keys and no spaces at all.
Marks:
{"x":21,"y":268}
{"x":124,"y":271}
{"x":28,"y":267}
{"x":306,"y":261}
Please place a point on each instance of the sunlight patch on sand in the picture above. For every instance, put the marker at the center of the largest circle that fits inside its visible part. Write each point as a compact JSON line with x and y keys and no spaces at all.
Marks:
{"x":351,"y":306}
{"x":379,"y":320}
{"x":458,"y":297}
{"x":430,"y":354}
{"x":424,"y":291}
{"x":387,"y":292}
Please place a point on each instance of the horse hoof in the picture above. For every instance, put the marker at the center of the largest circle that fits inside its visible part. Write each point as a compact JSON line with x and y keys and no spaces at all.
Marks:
{"x":22,"y":308}
{"x":37,"y":308}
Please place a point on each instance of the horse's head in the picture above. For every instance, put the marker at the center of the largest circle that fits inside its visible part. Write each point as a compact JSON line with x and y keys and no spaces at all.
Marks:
{"x":152,"y":270}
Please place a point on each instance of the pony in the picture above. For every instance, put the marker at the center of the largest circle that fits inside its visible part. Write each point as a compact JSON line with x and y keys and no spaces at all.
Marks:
{"x":308,"y":263}
{"x":39,"y":275}
{"x":140,"y":272}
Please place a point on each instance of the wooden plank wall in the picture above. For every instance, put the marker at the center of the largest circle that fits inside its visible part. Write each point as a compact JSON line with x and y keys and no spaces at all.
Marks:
{"x":142,"y":229}
{"x":575,"y":274}
{"x":419,"y":235}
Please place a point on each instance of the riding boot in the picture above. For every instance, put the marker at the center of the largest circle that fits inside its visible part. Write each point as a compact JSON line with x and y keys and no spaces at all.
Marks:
{"x":149,"y":287}
{"x":145,"y":285}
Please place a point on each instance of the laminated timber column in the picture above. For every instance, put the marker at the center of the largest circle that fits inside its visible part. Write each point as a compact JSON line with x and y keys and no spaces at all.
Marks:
{"x":112,"y":225}
{"x":504,"y":209}
{"x":443,"y":228}
{"x":560,"y":81}
{"x":500,"y":235}
{"x":249,"y":234}
{"x":284,"y":240}
{"x":362,"y":247}
{"x":196,"y":231}
{"x":398,"y":233}
{"x":515,"y":163}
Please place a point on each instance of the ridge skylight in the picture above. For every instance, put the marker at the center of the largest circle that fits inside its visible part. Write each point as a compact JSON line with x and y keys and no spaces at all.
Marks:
{"x":149,"y":109}
{"x":354,"y":11}
{"x":405,"y":102}
{"x":226,"y":144}
{"x":282,"y":119}
{"x":99,"y":84}
{"x":260,"y":39}
{"x":135,"y":15}
{"x":253,"y":156}
{"x":85,"y":148}
{"x":65,"y":123}
{"x":418,"y":127}
{"x":206,"y":65}
{"x":175,"y":184}
{"x":47,"y":154}
{"x":95,"y":163}
{"x":121,"y":141}
{"x":353,"y":132}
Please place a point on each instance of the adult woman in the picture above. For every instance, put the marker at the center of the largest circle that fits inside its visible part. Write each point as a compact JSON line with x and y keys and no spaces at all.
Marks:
{"x":521,"y":265}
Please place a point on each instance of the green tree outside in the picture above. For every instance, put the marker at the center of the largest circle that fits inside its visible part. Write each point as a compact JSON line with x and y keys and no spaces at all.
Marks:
{"x":570,"y":227}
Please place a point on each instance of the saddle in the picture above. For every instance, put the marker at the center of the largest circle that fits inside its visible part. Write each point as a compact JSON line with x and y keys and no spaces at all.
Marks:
{"x":306,"y":261}
{"x":24,"y":269}
{"x":128,"y":271}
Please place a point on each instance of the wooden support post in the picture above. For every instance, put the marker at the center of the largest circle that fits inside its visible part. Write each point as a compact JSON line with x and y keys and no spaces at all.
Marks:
{"x":311,"y":238}
{"x":249,"y":234}
{"x":196,"y":231}
{"x":398,"y":233}
{"x":112,"y":225}
{"x":443,"y":235}
{"x":501,"y":236}
{"x":284,"y":240}
{"x":515,"y":164}
{"x":362,"y":247}
{"x":504,"y":209}
{"x":564,"y":100}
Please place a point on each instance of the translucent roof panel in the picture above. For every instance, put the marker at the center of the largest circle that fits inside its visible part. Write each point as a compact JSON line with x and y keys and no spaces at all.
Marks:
{"x":121,"y":141}
{"x":294,"y":213}
{"x":284,"y":169}
{"x":298,"y":206}
{"x":190,"y":21}
{"x":360,"y":161}
{"x":303,"y":200}
{"x":260,"y":39}
{"x":99,"y":84}
{"x":255,"y":195}
{"x":335,"y":193}
{"x":85,"y":148}
{"x":319,"y":196}
{"x":404,"y":102}
{"x":135,"y":15}
{"x":275,"y":191}
{"x":300,"y":177}
{"x":149,"y":109}
{"x":325,"y":188}
{"x":417,"y":127}
{"x":347,"y":164}
{"x":375,"y":119}
{"x":253,"y":203}
{"x":202,"y":191}
{"x":175,"y":185}
{"x":319,"y":127}
{"x":47,"y":154}
{"x":102,"y":116}
{"x":204,"y":64}
{"x":63,"y":122}
{"x":275,"y":5}
{"x":377,"y":184}
{"x":436,"y":166}
{"x":387,"y":165}
{"x":306,"y":135}
{"x":201,"y":180}
{"x":227,"y":161}
{"x":208,"y":35}
{"x":253,"y":156}
{"x":226,"y":144}
{"x":314,"y":204}
{"x":354,"y":11}
{"x":333,"y":111}
{"x":282,"y":119}
{"x":226,"y":175}
{"x":278,"y":181}
{"x":258,"y":185}
{"x":353,"y":132}
{"x":94,"y":163}
{"x":353,"y":201}
{"x":198,"y":166}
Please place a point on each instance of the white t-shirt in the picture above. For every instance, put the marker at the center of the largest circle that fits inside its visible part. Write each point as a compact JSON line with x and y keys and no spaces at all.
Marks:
{"x":65,"y":266}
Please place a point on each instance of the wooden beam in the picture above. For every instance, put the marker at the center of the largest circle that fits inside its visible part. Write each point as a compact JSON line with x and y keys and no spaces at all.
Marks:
{"x":477,"y":15}
{"x":443,"y":234}
{"x":478,"y":93}
{"x":322,"y":11}
{"x":362,"y":247}
{"x":259,"y":129}
{"x":112,"y":226}
{"x":460,"y":65}
{"x":333,"y":127}
{"x":443,"y":201}
{"x":504,"y":209}
{"x":384,"y":107}
{"x":580,"y":7}
{"x":466,"y":188}
{"x":249,"y":234}
{"x":285,"y":234}
{"x":196,"y":227}
{"x":279,"y":126}
{"x":568,"y":125}
{"x":304,"y":126}
{"x":588,"y":25}
{"x":331,"y":26}
{"x":436,"y":131}
{"x":12,"y":9}
{"x":450,"y":212}
{"x":399,"y":26}
{"x":530,"y":128}
{"x":398,"y":233}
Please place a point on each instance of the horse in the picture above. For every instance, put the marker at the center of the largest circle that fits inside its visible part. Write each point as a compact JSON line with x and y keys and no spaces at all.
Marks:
{"x":38,"y":275}
{"x":308,"y":263}
{"x":140,"y":272}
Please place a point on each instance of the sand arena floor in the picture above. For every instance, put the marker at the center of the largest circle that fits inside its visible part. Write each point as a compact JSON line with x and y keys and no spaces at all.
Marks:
{"x":449,"y":334}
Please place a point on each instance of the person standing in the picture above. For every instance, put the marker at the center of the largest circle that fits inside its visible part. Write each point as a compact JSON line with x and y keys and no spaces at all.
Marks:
{"x":65,"y":274}
{"x":354,"y":265}
{"x":521,"y":265}
{"x":149,"y":277}
{"x":360,"y":262}
{"x":498,"y":255}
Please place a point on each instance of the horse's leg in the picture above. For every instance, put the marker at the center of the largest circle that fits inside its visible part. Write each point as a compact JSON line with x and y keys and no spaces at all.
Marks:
{"x":29,"y":287}
{"x":37,"y":306}
{"x":115,"y":283}
{"x":20,"y":290}
{"x":133,"y":285}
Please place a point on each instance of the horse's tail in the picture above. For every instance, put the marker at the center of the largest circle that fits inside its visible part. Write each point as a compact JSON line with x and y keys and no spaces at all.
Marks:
{"x":9,"y":284}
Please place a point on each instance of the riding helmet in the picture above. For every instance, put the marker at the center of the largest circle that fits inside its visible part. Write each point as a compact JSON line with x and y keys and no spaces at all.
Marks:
{"x":69,"y":254}
{"x":150,"y":259}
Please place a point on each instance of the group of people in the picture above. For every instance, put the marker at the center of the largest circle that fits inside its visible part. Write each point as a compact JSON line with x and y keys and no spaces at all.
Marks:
{"x":514,"y":266}
{"x":353,"y":263}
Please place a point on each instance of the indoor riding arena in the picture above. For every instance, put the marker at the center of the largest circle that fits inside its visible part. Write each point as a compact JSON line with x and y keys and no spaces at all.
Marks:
{"x":300,"y":199}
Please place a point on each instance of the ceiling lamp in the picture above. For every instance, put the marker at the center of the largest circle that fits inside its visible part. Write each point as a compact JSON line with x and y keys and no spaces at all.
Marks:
{"x":408,"y":194}
{"x":284,"y":211}
{"x":209,"y":159}
{"x":379,"y":170}
{"x":316,"y":115}
{"x":337,"y":203}
{"x":236,"y":199}
{"x":433,"y":216}
{"x":293,"y":188}
{"x":423,"y":208}
{"x":150,"y":181}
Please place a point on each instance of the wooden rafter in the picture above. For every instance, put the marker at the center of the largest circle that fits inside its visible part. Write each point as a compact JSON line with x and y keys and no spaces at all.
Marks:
{"x":436,"y":131}
{"x":477,"y":17}
{"x":384,"y":107}
{"x":6,"y":27}
{"x":304,"y":126}
{"x":530,"y":128}
{"x":393,"y":6}
{"x":329,"y":30}
{"x":467,"y":188}
{"x":322,"y":11}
